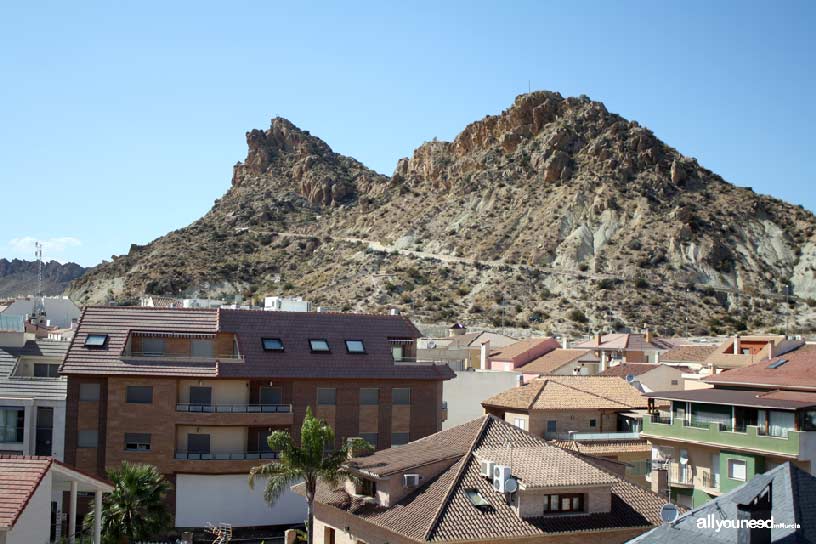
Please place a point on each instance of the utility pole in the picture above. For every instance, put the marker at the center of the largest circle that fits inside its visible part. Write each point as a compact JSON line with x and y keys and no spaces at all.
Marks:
{"x":787,"y":307}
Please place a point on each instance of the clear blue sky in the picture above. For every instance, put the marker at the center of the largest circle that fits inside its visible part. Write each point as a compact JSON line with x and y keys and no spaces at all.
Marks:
{"x":121,"y":121}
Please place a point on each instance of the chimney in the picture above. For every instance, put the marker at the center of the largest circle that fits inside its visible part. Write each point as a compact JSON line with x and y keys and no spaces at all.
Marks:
{"x":564,"y":342}
{"x":603,"y":361}
{"x":598,"y":339}
{"x":657,"y":357}
{"x":771,"y":349}
{"x":394,"y":311}
{"x":648,"y":335}
{"x":519,"y":380}
{"x":736,"y":344}
{"x":759,"y":509}
{"x":660,"y":482}
{"x":485,"y":354}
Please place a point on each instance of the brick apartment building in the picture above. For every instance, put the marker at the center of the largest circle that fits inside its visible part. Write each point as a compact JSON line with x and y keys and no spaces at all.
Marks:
{"x":196,"y":393}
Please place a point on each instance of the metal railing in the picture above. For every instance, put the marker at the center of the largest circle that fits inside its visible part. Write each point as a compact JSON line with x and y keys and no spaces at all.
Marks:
{"x":235,"y":408}
{"x":181,"y":355}
{"x":633,"y":435}
{"x":235,"y":456}
{"x":709,"y":480}
{"x":662,"y":420}
{"x":11,"y":435}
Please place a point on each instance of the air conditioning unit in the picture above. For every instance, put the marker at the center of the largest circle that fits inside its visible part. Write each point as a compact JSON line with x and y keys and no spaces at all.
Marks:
{"x":411,"y":480}
{"x":486,"y":469}
{"x":501,"y":473}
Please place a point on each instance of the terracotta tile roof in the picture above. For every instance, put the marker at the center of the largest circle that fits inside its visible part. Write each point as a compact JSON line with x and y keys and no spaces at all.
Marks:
{"x":293,"y":328}
{"x":799,"y":372}
{"x":552,"y":361}
{"x":536,"y":467}
{"x":624,"y":369}
{"x":439,"y":510}
{"x":570,"y":392}
{"x":518,"y":349}
{"x":604,"y":447}
{"x":19,"y":478}
{"x":783,"y":400}
{"x":688,"y":354}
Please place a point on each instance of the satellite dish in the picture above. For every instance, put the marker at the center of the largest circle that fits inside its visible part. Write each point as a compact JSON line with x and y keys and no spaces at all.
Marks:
{"x":668,"y":513}
{"x":510,"y":485}
{"x":431,"y":344}
{"x":630,"y":378}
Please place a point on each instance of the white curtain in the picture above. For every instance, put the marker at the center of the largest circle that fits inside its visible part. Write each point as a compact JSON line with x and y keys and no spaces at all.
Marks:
{"x":780,"y":423}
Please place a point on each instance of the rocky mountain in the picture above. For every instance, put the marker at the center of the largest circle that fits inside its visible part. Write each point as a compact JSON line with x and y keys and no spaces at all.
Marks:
{"x":20,"y":277}
{"x":555,"y":214}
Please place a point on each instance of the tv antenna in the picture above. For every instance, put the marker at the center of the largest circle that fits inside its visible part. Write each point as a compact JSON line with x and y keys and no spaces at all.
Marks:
{"x":38,"y":253}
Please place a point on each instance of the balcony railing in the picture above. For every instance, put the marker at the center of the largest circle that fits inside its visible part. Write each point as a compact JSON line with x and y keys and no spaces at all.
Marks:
{"x":11,"y":435}
{"x":183,"y":355}
{"x":709,"y":480}
{"x":678,"y":474}
{"x":236,"y":456}
{"x":235,"y":408}
{"x":634,"y":435}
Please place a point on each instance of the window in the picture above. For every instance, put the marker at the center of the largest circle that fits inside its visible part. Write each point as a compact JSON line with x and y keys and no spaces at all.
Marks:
{"x":355,"y":346}
{"x":271,"y":395}
{"x":592,"y":423}
{"x":139,"y":394}
{"x":326,"y":396}
{"x":137,"y":441}
{"x":398,"y":439}
{"x":368,"y":487}
{"x":272,"y":344}
{"x":152,"y":346}
{"x":198,"y":443}
{"x":371,"y":438}
{"x":674,"y":382}
{"x":12,"y":424}
{"x":401,"y":395}
{"x":200,"y":395}
{"x":89,"y":392}
{"x":569,"y":502}
{"x":551,"y":426}
{"x":737,"y":469}
{"x":319,"y":345}
{"x":45,"y":370}
{"x":369,"y":395}
{"x":88,"y":439}
{"x":45,"y":431}
{"x":201,"y":348}
{"x":95,"y":340}
{"x":810,"y":420}
{"x":521,"y":423}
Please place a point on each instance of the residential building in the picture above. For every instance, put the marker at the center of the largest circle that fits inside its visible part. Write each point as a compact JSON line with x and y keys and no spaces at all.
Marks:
{"x":287,"y":304}
{"x":516,"y":355}
{"x":650,"y":377}
{"x":693,"y":356}
{"x":753,"y":419}
{"x":29,"y":487}
{"x":483,"y":481}
{"x":741,"y":351}
{"x":464,"y":394}
{"x":59,"y":312}
{"x":598,"y":412}
{"x":462,"y":349}
{"x":562,"y":362}
{"x":626,"y":348}
{"x":785,"y":494}
{"x":196,"y":392}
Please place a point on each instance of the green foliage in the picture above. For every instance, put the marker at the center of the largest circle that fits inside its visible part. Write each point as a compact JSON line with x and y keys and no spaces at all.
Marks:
{"x":136,"y":510}
{"x":308,"y":463}
{"x":577,"y":316}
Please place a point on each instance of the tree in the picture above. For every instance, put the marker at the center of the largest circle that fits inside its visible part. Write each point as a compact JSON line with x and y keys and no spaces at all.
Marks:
{"x":136,"y":509}
{"x":309,"y":463}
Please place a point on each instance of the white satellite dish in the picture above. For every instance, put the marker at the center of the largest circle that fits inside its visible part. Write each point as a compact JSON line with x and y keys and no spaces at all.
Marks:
{"x":668,"y":513}
{"x":431,"y":344}
{"x":510,"y":485}
{"x":630,"y":378}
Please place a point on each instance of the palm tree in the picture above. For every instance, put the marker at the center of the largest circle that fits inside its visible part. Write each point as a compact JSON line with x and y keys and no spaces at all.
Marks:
{"x":136,"y":510}
{"x":308,"y":463}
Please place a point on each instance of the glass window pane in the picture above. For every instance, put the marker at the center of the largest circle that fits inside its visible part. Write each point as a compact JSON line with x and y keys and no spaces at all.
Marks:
{"x":137,"y":441}
{"x":272,"y":344}
{"x":89,"y":392}
{"x":200,"y":395}
{"x":319,"y":345}
{"x":355,"y":346}
{"x":152,"y":346}
{"x":401,"y":395}
{"x":271,"y":395}
{"x":198,"y":443}
{"x":139,"y":394}
{"x":554,"y":502}
{"x":369,"y":395}
{"x":201,"y":348}
{"x":96,"y":340}
{"x":565,"y":503}
{"x":398,"y":439}
{"x":326,"y":396}
{"x":575,"y":503}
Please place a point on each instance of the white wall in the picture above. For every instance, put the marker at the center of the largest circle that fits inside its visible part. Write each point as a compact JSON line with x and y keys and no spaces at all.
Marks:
{"x":28,"y":445}
{"x":465,"y":393}
{"x":227,"y":498}
{"x":34,"y":526}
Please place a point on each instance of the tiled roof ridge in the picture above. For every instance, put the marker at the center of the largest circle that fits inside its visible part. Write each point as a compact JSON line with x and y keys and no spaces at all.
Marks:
{"x":258,"y":311}
{"x":145,"y":308}
{"x":456,"y":479}
{"x":596,"y":394}
{"x":16,"y":515}
{"x":73,"y":339}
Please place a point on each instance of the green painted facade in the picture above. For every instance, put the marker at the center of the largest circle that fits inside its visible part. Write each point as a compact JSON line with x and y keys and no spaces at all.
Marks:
{"x":754,"y":464}
{"x":698,"y":498}
{"x":726,"y":439}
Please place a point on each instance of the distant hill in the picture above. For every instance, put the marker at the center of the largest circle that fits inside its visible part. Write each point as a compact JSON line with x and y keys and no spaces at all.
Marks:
{"x":20,"y":277}
{"x":555,"y":214}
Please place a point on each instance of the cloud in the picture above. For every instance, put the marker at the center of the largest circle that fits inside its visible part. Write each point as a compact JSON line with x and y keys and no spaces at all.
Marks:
{"x":52,"y":247}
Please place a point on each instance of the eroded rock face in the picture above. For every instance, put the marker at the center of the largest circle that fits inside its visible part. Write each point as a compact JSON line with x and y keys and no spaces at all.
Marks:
{"x":562,"y":198}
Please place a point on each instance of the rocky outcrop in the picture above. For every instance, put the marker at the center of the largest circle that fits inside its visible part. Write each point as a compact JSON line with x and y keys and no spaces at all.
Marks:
{"x":18,"y":277}
{"x":553,"y":204}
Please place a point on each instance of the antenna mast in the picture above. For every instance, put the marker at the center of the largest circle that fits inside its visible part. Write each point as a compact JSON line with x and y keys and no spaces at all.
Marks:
{"x":38,"y":253}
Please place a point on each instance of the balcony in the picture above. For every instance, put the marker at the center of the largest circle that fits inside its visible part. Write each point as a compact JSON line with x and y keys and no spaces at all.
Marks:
{"x":235,"y":408}
{"x":723,"y":435}
{"x":679,"y":475}
{"x":578,"y":436}
{"x":182,"y":357}
{"x":265,"y":415}
{"x":236,"y":456}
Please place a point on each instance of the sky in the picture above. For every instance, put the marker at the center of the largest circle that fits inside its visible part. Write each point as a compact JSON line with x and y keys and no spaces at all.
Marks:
{"x":121,"y":121}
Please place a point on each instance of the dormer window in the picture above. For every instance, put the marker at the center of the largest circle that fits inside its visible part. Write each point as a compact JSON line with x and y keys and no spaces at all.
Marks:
{"x":564,"y":502}
{"x":272,"y":344}
{"x":95,"y":340}
{"x":319,"y":345}
{"x":355,"y":346}
{"x":367,"y":488}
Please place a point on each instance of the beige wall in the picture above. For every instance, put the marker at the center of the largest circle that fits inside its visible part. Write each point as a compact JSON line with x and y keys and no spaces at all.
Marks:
{"x":596,"y":500}
{"x":222,"y":439}
{"x":392,"y":490}
{"x":223,"y":391}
